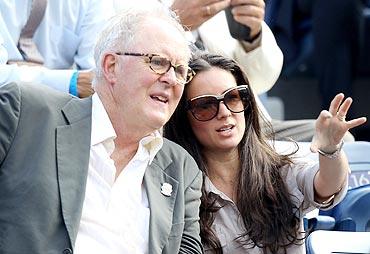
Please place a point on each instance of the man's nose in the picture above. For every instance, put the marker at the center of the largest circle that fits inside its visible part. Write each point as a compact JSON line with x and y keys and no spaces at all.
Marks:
{"x":169,"y":77}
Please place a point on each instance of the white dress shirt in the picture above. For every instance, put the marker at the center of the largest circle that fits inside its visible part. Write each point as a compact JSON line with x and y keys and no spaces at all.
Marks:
{"x":65,"y":37}
{"x":115,"y":214}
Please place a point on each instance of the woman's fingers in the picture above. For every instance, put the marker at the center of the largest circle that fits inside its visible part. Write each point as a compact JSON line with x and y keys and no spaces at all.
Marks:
{"x":343,"y":109}
{"x":335,"y":104}
{"x":356,"y":122}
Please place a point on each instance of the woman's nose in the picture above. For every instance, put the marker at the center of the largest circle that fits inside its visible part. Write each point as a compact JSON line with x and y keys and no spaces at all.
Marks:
{"x":223,"y":111}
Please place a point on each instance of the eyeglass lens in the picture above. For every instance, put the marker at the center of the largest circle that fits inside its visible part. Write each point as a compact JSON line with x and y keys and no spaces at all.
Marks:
{"x":161,"y":65}
{"x":205,"y":108}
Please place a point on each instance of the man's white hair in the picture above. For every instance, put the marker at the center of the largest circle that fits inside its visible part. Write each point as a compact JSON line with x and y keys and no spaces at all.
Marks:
{"x":120,"y":30}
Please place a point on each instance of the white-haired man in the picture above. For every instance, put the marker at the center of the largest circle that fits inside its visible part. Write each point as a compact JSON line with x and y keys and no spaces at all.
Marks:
{"x":94,"y":175}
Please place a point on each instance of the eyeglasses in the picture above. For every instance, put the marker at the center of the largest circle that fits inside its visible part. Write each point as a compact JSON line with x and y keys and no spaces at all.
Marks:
{"x":161,"y":65}
{"x":206,"y":107}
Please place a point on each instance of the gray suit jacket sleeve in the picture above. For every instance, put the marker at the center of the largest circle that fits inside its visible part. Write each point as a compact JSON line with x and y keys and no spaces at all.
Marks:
{"x":9,"y":115}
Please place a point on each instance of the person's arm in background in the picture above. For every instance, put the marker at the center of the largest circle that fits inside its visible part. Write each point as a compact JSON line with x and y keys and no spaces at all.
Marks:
{"x":95,"y":13}
{"x":193,"y":13}
{"x":10,"y":72}
{"x":94,"y":20}
{"x":261,"y":58}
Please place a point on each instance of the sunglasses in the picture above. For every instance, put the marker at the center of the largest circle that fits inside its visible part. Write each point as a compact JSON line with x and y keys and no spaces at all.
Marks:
{"x":206,"y":107}
{"x":160,"y":65}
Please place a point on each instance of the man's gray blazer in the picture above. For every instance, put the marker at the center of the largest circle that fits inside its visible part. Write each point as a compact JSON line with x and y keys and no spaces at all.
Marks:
{"x":44,"y":156}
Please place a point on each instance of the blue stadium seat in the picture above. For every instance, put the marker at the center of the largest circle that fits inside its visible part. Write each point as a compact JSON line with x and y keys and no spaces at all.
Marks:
{"x":325,"y":242}
{"x":353,"y":213}
{"x":358,"y":154}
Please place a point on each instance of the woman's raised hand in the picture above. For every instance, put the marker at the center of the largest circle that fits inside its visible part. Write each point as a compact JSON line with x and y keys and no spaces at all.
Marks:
{"x":332,"y":125}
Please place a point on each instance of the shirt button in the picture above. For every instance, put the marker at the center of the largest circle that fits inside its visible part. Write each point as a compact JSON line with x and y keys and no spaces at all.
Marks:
{"x":67,"y":251}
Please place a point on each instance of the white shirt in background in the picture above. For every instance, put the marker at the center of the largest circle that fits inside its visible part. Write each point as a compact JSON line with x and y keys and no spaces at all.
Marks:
{"x":65,"y":38}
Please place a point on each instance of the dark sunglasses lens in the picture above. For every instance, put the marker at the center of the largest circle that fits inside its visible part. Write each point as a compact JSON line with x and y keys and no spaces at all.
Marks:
{"x":236,"y":100}
{"x":204,"y":108}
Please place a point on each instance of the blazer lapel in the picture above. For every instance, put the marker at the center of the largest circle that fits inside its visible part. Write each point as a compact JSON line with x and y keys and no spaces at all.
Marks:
{"x":161,"y":206}
{"x":73,"y":153}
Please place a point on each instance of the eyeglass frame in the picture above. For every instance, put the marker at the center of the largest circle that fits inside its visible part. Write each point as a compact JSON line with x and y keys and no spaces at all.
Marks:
{"x":189,"y":76}
{"x":219,"y":98}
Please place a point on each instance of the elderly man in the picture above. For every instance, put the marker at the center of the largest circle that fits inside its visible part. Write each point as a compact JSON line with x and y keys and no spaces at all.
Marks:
{"x":94,"y":175}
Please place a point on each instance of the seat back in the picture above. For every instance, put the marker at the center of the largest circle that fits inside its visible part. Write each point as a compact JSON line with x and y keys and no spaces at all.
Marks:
{"x":353,"y":213}
{"x":358,"y":154}
{"x":325,"y":242}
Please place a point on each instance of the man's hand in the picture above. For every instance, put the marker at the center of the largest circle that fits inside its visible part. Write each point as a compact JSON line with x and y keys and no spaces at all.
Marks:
{"x":84,"y":87}
{"x":249,"y":13}
{"x":193,"y":13}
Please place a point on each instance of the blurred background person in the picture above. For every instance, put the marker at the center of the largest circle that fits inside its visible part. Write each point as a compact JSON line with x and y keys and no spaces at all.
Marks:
{"x":325,"y":52}
{"x":336,"y":38}
{"x":51,"y":42}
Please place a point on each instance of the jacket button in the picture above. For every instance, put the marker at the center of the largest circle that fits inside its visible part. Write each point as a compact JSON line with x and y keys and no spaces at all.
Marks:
{"x":67,"y":251}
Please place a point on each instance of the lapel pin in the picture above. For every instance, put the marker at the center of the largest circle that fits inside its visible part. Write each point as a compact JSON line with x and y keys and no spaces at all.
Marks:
{"x":166,"y":189}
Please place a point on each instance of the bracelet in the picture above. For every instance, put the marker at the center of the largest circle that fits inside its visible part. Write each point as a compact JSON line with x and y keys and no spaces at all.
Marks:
{"x":328,"y":201}
{"x":334,"y":154}
{"x":73,"y":84}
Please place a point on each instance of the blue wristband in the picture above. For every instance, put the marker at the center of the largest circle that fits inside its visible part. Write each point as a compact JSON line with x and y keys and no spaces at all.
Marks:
{"x":73,"y":84}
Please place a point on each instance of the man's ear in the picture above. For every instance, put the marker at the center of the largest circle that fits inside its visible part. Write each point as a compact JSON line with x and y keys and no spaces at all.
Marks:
{"x":109,"y":63}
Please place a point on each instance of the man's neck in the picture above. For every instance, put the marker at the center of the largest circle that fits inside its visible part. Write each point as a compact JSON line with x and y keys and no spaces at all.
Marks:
{"x":122,"y":155}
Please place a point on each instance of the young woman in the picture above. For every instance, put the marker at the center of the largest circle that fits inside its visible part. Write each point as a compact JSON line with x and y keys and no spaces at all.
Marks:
{"x":254,"y":198}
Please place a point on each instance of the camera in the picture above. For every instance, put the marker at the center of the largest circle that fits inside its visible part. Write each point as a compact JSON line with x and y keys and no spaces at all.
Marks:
{"x":238,"y":31}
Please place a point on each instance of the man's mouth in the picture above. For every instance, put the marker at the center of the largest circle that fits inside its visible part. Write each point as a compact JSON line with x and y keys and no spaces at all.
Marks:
{"x":160,"y":98}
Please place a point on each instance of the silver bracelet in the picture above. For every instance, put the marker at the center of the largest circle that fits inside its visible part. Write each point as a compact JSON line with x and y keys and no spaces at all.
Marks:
{"x":334,"y":154}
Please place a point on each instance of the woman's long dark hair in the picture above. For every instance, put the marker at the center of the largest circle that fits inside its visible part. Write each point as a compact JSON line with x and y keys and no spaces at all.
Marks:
{"x":262,"y":199}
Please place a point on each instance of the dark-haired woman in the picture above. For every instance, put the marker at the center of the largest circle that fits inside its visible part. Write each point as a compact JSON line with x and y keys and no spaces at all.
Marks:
{"x":254,"y":198}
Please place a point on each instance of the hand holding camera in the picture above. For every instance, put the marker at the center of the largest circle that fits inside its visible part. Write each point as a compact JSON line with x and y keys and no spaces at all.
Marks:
{"x":193,"y":13}
{"x":245,"y":18}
